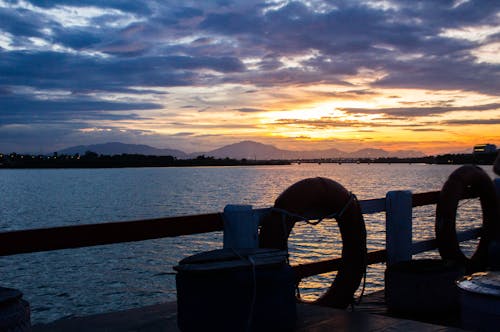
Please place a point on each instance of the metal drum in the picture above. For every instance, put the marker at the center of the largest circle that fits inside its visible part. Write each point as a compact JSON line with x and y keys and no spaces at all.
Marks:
{"x":424,"y":287}
{"x":236,"y":290}
{"x":480,"y":301}
{"x":14,"y":311}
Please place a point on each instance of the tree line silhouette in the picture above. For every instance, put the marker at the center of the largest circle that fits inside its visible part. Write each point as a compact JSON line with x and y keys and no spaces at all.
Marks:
{"x":93,"y":160}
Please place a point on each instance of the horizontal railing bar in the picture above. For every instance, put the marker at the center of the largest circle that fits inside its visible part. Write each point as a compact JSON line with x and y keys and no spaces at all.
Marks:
{"x":422,"y":246}
{"x":379,"y":256}
{"x":66,"y":237}
{"x":370,"y":206}
{"x":427,"y":198}
{"x":469,"y":234}
{"x":313,"y":268}
{"x":431,"y":244}
{"x":432,"y":197}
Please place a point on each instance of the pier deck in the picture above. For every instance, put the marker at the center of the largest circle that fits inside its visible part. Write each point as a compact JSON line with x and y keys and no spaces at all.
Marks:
{"x":163,"y":317}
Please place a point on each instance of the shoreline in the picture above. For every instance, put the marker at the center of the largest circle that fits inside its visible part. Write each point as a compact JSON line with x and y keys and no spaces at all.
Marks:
{"x":93,"y":160}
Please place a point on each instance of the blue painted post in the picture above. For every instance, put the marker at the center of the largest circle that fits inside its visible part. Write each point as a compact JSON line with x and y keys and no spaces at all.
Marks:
{"x":240,"y":227}
{"x":398,"y":225}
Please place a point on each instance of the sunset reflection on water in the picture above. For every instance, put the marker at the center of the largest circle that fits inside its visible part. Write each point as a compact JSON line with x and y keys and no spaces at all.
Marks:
{"x":114,"y":277}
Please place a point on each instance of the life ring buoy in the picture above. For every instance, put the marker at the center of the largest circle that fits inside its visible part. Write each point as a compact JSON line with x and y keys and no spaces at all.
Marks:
{"x":474,"y":180}
{"x":496,"y":165}
{"x":325,"y":197}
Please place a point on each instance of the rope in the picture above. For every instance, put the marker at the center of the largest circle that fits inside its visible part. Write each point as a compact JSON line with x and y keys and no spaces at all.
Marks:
{"x":358,"y":302}
{"x":335,"y":215}
{"x":254,"y":294}
{"x":254,"y":288}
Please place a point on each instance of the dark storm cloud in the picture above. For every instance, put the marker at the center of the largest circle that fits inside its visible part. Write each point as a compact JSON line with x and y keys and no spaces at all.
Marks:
{"x":425,"y":129}
{"x":51,"y":70}
{"x":345,"y":38}
{"x":447,"y":13}
{"x":78,"y":39}
{"x":331,"y":122}
{"x":31,"y":138}
{"x":22,"y":23}
{"x":474,"y":122}
{"x":187,"y":12}
{"x":446,"y":73}
{"x":355,"y":36}
{"x":127,"y":6}
{"x":349,"y":95}
{"x":249,"y":110}
{"x":47,"y":138}
{"x":25,"y":110}
{"x":421,"y":111}
{"x":206,"y":43}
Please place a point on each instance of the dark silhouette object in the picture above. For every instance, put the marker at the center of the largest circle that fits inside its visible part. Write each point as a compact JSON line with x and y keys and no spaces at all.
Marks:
{"x":14,"y":311}
{"x":236,"y":290}
{"x":496,"y":166}
{"x":309,"y":198}
{"x":463,"y":181}
{"x":423,"y":288}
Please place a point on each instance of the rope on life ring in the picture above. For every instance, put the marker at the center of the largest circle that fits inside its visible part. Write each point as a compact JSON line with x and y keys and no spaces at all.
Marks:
{"x":466,"y":180}
{"x":309,"y":198}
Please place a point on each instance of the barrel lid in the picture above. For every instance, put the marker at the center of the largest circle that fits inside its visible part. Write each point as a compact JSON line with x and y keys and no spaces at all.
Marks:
{"x":9,"y":294}
{"x":227,"y":259}
{"x":487,"y":283}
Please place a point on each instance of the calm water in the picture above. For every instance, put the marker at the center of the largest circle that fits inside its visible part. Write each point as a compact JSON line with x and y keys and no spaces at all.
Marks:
{"x":105,"y":278}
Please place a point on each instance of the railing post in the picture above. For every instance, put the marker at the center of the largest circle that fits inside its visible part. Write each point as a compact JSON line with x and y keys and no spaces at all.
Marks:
{"x":398,"y":226}
{"x":240,"y":227}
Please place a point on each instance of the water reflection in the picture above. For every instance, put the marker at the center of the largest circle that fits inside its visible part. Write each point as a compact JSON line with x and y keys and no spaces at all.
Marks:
{"x":90,"y":280}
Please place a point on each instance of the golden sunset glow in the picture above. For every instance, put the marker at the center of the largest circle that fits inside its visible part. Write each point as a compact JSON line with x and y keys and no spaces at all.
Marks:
{"x":407,"y":78}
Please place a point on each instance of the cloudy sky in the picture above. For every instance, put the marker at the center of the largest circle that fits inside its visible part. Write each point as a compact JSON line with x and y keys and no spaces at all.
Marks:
{"x":196,"y":75}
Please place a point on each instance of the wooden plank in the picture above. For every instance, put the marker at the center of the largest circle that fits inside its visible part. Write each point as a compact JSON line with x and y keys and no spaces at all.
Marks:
{"x":426,"y":198}
{"x":398,"y":226}
{"x":431,"y":244}
{"x":313,"y":268}
{"x":422,"y":246}
{"x":432,"y":197}
{"x":469,"y":234}
{"x":323,"y":319}
{"x":163,"y":317}
{"x":54,"y":238}
{"x":240,"y":227}
{"x":369,"y":206}
{"x":34,"y":240}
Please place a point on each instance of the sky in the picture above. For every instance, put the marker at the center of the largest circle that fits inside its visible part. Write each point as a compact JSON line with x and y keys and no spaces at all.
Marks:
{"x":301,"y":75}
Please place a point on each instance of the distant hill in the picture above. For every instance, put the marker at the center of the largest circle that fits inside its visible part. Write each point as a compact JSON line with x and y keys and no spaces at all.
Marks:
{"x":254,"y":150}
{"x":243,"y":150}
{"x":114,"y":148}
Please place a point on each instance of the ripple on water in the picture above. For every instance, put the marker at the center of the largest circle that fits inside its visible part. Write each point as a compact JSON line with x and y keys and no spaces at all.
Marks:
{"x":106,"y":278}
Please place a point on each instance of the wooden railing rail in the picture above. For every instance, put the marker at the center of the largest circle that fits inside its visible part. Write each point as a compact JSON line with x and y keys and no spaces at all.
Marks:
{"x":66,"y":237}
{"x":86,"y":235}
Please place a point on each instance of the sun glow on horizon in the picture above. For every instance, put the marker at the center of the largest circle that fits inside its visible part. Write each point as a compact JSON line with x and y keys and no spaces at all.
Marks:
{"x":312,"y":116}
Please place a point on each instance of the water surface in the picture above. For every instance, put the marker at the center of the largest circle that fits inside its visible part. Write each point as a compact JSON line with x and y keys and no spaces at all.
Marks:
{"x":114,"y":277}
